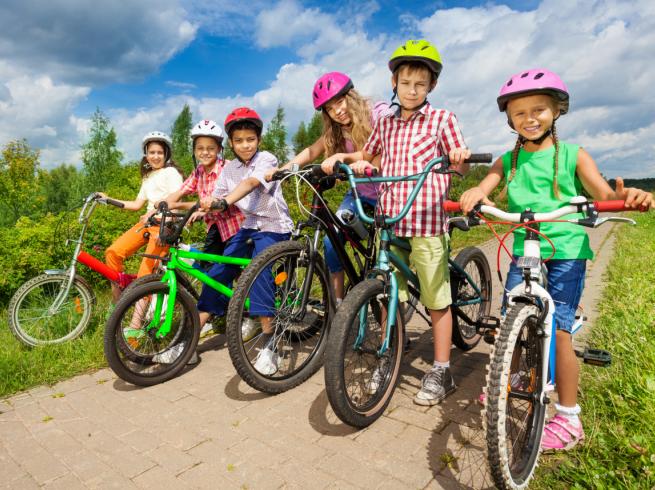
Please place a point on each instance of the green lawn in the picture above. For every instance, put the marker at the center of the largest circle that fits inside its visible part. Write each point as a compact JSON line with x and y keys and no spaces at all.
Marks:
{"x":618,"y":402}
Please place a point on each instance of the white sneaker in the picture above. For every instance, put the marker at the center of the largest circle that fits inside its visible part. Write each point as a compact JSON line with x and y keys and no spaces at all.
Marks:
{"x":206,"y":330}
{"x":169,"y":356}
{"x":379,"y":373}
{"x":267,"y":361}
{"x":249,"y":328}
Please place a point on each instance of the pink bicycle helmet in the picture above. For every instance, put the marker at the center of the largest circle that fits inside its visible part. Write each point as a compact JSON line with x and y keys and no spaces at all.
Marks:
{"x":330,"y":86}
{"x":531,"y":82}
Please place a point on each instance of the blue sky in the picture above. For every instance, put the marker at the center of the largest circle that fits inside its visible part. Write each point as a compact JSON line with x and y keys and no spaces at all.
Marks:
{"x":141,"y":61}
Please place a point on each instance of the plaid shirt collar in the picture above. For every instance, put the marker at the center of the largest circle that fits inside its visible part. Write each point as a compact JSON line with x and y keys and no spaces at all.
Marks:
{"x":422,"y":111}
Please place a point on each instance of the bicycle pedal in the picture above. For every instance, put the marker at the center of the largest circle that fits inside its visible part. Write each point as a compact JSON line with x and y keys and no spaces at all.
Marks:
{"x":595,"y":357}
{"x":488,"y":325}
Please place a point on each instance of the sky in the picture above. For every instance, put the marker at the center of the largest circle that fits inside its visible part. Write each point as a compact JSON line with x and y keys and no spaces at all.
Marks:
{"x":140,"y":62}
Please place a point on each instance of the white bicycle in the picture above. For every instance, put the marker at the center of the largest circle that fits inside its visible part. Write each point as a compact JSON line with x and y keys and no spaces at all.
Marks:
{"x":521,"y":372}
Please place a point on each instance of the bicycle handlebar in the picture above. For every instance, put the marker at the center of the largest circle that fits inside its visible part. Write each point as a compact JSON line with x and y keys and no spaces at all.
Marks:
{"x":113,"y":202}
{"x":176,"y":230}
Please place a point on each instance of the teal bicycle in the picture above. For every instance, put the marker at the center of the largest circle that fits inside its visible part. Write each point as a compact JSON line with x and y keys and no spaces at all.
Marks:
{"x":365,"y":344}
{"x":154,"y":329}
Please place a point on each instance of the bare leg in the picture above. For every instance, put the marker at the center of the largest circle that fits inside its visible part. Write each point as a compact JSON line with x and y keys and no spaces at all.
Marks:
{"x":567,"y":370}
{"x":337,"y":280}
{"x":442,"y":328}
{"x":267,"y":324}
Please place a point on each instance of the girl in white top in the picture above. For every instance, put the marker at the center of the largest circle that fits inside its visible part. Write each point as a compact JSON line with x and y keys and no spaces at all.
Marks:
{"x":161,"y":177}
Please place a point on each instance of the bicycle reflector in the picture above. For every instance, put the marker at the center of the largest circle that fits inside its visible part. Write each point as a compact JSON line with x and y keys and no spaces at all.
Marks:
{"x":280,"y":278}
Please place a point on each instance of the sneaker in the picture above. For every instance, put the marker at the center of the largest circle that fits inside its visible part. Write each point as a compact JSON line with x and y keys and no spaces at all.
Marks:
{"x":267,"y":361}
{"x":207,"y":330}
{"x":249,"y":328}
{"x":560,"y":434}
{"x":436,"y":385}
{"x":195,"y":359}
{"x":379,"y":373}
{"x":169,"y":356}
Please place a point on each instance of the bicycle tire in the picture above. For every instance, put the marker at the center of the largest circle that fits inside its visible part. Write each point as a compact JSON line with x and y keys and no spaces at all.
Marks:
{"x":142,"y":366}
{"x":473,"y":261}
{"x":513,"y":397}
{"x":355,"y":397}
{"x":182,"y":280}
{"x":50,"y":327}
{"x":300,"y":337}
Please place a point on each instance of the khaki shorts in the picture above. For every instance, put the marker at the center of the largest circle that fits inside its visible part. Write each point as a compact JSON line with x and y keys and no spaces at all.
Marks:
{"x":429,"y":258}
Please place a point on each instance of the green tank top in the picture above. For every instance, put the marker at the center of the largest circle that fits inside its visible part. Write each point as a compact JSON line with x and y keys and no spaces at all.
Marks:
{"x":532,"y":187}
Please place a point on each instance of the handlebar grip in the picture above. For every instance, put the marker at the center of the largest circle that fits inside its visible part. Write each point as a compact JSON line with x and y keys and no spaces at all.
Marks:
{"x":162,"y":206}
{"x":609,"y":206}
{"x":452,"y":207}
{"x":317,"y":171}
{"x":371,"y":172}
{"x":279,"y":175}
{"x":480,"y":158}
{"x":114,"y":202}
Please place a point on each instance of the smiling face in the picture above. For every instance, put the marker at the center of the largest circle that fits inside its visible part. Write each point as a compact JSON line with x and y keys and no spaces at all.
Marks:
{"x":206,"y":150}
{"x":413,"y":86}
{"x":244,"y":143}
{"x":337,"y":109}
{"x":532,"y":115}
{"x":156,"y":155}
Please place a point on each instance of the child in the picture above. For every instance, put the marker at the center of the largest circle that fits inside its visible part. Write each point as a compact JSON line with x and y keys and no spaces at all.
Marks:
{"x":267,"y":221}
{"x":207,"y":137}
{"x":544,"y":173}
{"x":161,"y":176}
{"x":347,"y":121}
{"x":406,"y":141}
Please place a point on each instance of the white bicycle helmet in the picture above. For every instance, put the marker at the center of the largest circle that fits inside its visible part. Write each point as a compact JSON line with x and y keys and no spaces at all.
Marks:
{"x":210,"y":128}
{"x":160,"y":138}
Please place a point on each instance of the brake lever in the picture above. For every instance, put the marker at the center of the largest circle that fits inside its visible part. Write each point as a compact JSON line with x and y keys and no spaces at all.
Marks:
{"x":615,"y":219}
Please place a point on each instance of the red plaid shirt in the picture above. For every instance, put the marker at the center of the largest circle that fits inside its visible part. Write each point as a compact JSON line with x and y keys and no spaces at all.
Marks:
{"x":406,"y":147}
{"x":203,"y":183}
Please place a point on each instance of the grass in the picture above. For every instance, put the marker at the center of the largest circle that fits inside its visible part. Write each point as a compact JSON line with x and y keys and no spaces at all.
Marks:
{"x":618,"y":402}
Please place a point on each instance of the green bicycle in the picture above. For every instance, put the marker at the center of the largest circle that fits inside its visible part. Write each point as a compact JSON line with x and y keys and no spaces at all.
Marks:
{"x":365,"y":345}
{"x":154,"y":329}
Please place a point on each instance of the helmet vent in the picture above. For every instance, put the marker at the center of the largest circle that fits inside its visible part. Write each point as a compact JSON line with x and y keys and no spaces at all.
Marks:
{"x":510,"y":82}
{"x":525,"y":74}
{"x":538,"y":75}
{"x":328,"y":84}
{"x":425,"y":47}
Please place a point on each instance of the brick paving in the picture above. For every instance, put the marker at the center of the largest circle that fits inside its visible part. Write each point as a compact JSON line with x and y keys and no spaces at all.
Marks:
{"x":208,"y":429}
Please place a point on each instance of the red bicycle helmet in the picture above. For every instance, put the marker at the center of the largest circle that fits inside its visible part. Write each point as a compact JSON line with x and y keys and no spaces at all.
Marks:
{"x":243,"y":114}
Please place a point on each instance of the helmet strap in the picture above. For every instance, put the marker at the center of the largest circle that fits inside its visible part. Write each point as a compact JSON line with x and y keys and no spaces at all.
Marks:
{"x":399,"y":105}
{"x":542,"y":138}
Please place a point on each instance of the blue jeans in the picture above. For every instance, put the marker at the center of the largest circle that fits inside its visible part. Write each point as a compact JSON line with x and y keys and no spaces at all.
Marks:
{"x":331,"y":257}
{"x":565,"y":285}
{"x":261,"y":295}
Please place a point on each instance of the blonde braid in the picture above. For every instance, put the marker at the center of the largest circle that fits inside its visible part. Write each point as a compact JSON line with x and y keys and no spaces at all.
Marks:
{"x":515,"y":157}
{"x":556,"y":141}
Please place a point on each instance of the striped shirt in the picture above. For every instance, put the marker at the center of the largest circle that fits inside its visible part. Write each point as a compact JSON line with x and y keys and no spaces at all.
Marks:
{"x":264,"y":208}
{"x":406,"y":147}
{"x":203,"y":183}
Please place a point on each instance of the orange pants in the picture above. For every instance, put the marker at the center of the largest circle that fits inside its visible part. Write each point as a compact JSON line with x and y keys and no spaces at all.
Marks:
{"x":129,"y":243}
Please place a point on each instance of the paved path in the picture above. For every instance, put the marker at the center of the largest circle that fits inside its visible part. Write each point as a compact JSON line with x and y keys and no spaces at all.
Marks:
{"x":208,"y":429}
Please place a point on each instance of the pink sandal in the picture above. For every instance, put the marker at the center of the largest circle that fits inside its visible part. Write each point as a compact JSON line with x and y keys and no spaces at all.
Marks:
{"x":561,"y":435}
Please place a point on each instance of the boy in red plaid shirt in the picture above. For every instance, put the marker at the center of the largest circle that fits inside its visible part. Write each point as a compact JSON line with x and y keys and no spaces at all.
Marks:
{"x":402,"y":143}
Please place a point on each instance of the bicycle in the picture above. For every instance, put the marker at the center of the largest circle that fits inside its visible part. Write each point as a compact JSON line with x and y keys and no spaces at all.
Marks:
{"x":521,"y":369}
{"x":367,"y":333}
{"x":56,"y":306}
{"x":154,"y":329}
{"x":304,"y":299}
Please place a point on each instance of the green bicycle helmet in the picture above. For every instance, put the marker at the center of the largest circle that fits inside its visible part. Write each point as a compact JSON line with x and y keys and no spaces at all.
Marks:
{"x":421,"y":51}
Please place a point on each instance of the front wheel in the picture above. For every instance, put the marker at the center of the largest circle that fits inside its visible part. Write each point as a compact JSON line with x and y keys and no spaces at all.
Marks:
{"x":133,"y":348}
{"x":470,"y":284}
{"x":278,"y":318}
{"x":515,"y":414}
{"x":42,"y":313}
{"x":359,"y":379}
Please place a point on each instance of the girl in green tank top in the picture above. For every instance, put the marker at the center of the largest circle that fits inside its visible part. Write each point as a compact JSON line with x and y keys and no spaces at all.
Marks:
{"x":543,"y":173}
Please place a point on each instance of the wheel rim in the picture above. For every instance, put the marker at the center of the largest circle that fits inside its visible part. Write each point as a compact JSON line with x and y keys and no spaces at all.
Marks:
{"x":465,"y":292}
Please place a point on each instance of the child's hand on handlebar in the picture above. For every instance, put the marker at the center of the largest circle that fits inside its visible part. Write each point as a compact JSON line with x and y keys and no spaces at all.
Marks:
{"x":328,"y":164}
{"x":205,"y":203}
{"x":634,"y":198}
{"x":145,"y":217}
{"x":359,"y":168}
{"x":197,"y":216}
{"x":458,"y":155}
{"x":472,"y":197}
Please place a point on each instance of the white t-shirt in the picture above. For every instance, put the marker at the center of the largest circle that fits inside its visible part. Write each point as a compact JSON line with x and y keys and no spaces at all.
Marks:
{"x":159,"y":184}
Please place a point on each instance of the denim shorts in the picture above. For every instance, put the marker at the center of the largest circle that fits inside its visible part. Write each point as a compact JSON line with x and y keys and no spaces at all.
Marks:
{"x":565,"y":285}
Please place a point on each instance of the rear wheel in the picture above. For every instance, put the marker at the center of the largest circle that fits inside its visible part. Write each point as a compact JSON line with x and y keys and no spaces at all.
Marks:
{"x":271,"y":292}
{"x":358,"y":379}
{"x":469,"y":305}
{"x":42,"y":313}
{"x":515,"y":414}
{"x":133,"y":348}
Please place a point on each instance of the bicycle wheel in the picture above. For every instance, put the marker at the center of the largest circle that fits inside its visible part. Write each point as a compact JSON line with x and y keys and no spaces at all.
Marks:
{"x":468,"y":305}
{"x":279,"y":276}
{"x":359,"y":382}
{"x":188,"y":283}
{"x":132,"y":347}
{"x":515,"y":414}
{"x":34,"y":320}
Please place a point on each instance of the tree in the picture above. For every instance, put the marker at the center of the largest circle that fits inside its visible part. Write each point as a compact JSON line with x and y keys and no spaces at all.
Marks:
{"x":275,"y":138}
{"x":181,"y":136}
{"x":61,"y":187}
{"x":100,"y":156}
{"x":18,"y":181}
{"x":300,"y":138}
{"x":308,"y":134}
